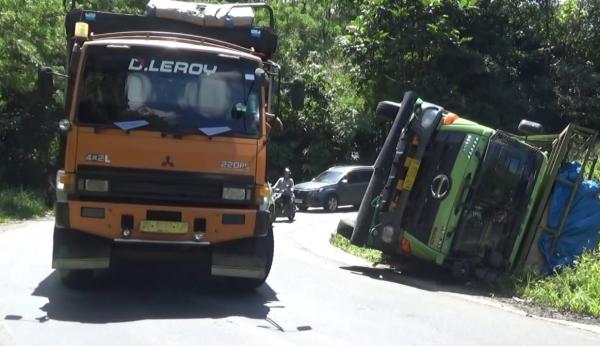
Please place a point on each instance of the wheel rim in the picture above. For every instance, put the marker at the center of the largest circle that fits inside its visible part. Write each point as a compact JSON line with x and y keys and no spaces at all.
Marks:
{"x":332,"y":203}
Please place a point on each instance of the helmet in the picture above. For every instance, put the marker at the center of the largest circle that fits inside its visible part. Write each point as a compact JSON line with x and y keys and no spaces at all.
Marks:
{"x":287,"y":172}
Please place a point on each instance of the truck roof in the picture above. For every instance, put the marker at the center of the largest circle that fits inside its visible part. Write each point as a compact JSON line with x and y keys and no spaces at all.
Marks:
{"x":262,"y":40}
{"x":172,"y":44}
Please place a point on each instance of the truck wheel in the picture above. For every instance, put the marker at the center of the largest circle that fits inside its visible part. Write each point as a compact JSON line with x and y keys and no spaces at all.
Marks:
{"x":345,"y":228}
{"x":77,"y":278}
{"x":264,"y":249}
{"x":461,"y":270}
{"x":331,"y":203}
{"x":272,"y":215}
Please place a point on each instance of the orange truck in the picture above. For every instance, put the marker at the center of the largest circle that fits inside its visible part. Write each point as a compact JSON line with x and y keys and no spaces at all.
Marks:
{"x":164,"y":147}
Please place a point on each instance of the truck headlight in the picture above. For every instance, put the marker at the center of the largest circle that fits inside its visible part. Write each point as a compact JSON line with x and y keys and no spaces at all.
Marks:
{"x":65,"y":185}
{"x":428,"y":117}
{"x":234,"y":193}
{"x":388,"y":234}
{"x":93,"y":185}
{"x":262,"y":196}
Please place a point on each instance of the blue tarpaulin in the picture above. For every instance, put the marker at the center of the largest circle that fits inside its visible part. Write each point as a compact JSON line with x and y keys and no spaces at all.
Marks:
{"x":582,"y":229}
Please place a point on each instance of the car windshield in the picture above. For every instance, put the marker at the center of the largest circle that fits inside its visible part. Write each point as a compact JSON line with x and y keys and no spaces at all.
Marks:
{"x":169,"y":90}
{"x":331,"y":177}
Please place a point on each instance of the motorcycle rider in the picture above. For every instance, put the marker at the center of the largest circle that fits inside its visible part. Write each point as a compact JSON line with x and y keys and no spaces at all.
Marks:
{"x":285,"y":184}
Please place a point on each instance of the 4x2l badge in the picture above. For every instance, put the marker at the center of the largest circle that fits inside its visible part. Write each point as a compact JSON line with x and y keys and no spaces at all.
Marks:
{"x":103,"y":158}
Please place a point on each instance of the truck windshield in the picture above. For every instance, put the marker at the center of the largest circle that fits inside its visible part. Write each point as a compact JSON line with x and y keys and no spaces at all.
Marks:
{"x":168,"y":90}
{"x":500,"y":197}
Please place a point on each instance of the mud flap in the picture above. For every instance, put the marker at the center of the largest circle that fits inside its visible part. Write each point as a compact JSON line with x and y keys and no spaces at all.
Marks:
{"x":248,"y":258}
{"x":78,"y":250}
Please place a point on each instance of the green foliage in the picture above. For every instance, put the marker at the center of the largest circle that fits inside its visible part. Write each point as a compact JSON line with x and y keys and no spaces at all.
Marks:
{"x":20,"y":204}
{"x":574,"y":288}
{"x":492,"y":61}
{"x":344,"y":244}
{"x":335,"y":125}
{"x":33,"y":36}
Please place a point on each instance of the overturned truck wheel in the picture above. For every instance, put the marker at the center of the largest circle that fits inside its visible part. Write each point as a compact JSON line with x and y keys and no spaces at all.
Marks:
{"x":345,"y":228}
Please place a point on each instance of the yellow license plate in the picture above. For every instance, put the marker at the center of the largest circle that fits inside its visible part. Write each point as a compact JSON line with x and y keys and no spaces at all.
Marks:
{"x":168,"y":227}
{"x":411,"y":174}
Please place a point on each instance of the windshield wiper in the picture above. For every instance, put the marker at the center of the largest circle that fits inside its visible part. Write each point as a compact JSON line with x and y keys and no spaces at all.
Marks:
{"x":214,"y":131}
{"x":130,"y":125}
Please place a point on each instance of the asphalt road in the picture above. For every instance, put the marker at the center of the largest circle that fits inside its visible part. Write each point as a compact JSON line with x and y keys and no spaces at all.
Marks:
{"x":315,"y":295}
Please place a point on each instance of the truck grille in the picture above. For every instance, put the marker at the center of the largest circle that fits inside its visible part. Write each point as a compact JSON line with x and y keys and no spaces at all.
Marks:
{"x":422,"y":208}
{"x":161,"y":187}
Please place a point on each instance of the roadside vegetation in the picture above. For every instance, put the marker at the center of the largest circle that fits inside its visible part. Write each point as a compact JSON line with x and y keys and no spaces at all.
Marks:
{"x":344,"y":244}
{"x":20,"y":204}
{"x":574,"y":289}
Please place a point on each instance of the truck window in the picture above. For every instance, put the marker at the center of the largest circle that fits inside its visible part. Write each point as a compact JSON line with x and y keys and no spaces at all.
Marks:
{"x":499,"y":199}
{"x":173,"y":90}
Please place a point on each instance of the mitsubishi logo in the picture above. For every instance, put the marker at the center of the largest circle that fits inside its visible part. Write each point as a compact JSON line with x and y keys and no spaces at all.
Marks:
{"x":167,"y":162}
{"x":440,"y":186}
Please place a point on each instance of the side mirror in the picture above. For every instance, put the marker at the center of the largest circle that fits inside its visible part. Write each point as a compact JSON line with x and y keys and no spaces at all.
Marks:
{"x":239,"y":110}
{"x":387,"y":110}
{"x":345,"y":181}
{"x":297,"y":94}
{"x":261,"y":77}
{"x":528,"y":127}
{"x":45,"y":81}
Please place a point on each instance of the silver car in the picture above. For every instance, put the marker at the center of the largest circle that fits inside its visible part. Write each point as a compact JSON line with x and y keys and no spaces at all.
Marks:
{"x":337,"y":186}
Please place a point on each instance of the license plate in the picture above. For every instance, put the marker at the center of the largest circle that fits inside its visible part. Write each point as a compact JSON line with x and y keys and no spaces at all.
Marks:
{"x":411,"y":174}
{"x":298,"y":201}
{"x":168,"y":227}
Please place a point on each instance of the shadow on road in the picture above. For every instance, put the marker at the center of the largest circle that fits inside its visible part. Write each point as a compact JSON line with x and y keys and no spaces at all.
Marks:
{"x":424,"y":276}
{"x":150,"y":293}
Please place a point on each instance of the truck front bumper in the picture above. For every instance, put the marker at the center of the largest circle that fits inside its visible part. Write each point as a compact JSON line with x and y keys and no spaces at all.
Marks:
{"x":84,"y":242}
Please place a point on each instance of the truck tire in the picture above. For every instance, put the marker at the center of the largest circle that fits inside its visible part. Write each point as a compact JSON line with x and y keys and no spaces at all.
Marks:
{"x":272,"y":213}
{"x":345,"y":228}
{"x":77,"y":278}
{"x":265,"y":247}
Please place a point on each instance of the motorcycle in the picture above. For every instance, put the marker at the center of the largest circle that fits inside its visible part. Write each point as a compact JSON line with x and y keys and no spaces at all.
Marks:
{"x":283,"y":205}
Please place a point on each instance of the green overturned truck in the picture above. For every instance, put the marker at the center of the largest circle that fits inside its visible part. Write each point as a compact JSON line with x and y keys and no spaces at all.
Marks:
{"x":453,"y":192}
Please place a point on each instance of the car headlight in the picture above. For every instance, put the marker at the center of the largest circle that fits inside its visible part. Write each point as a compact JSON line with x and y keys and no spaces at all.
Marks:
{"x":236,"y":193}
{"x":93,"y":185}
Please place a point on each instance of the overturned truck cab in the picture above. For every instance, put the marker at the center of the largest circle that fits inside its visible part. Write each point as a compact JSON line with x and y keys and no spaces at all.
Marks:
{"x":453,"y":192}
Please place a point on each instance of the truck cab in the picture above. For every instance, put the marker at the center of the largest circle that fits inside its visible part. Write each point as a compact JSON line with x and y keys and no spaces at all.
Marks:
{"x":456,"y":193}
{"x":164,"y":146}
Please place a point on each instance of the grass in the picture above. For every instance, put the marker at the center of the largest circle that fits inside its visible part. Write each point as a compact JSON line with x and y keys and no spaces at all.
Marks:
{"x":574,"y":289}
{"x":16,"y":204}
{"x":344,"y":244}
